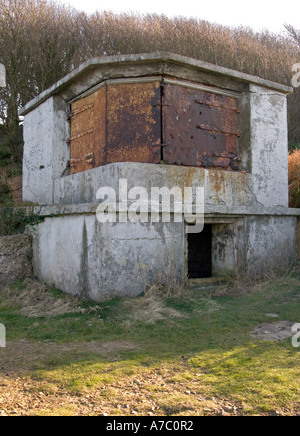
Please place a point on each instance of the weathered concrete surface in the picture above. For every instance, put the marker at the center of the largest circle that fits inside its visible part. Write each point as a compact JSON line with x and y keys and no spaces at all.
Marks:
{"x":210,"y":210}
{"x":46,"y":152}
{"x":271,"y":243}
{"x":15,"y":258}
{"x":79,"y":255}
{"x":221,"y":187}
{"x":101,"y":261}
{"x":224,"y":249}
{"x":268,"y":147}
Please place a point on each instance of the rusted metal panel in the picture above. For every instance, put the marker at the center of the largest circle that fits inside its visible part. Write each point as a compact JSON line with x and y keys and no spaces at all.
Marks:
{"x":133,"y":123}
{"x":87,"y":139}
{"x":118,"y":123}
{"x":199,"y":128}
{"x":147,"y":122}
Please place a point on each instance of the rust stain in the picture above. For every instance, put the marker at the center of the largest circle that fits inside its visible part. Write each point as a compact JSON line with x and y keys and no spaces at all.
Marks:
{"x":188,"y":177}
{"x":87,"y":132}
{"x":200,"y":128}
{"x":81,"y":134}
{"x":79,"y":110}
{"x":148,"y":122}
{"x":133,"y":123}
{"x":218,"y":181}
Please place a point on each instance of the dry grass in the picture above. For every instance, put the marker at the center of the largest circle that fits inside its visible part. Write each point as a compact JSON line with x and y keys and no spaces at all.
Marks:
{"x":198,"y":359}
{"x":163,"y":291}
{"x":35,"y":300}
{"x":152,"y":307}
{"x":245,"y":285}
{"x":294,"y":178}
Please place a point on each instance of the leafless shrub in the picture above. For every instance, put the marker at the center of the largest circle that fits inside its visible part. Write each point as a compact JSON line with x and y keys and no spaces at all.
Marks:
{"x":171,"y":289}
{"x":41,"y":41}
{"x":294,"y":179}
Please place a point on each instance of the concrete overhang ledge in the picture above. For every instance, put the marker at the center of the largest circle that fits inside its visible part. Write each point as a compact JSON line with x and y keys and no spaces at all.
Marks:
{"x":234,"y":211}
{"x":159,"y":59}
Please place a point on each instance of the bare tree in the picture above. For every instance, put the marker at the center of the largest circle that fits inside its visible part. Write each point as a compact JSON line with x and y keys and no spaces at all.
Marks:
{"x":41,"y":41}
{"x":38,"y":43}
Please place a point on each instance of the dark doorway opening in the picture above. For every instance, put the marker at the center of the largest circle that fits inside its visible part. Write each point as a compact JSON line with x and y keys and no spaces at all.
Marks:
{"x":200,"y":253}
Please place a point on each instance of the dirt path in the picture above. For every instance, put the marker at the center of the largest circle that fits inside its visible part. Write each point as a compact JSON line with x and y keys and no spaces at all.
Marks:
{"x":22,"y":393}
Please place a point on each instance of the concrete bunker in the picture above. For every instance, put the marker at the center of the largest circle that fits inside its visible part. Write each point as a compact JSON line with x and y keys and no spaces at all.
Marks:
{"x":157,"y":120}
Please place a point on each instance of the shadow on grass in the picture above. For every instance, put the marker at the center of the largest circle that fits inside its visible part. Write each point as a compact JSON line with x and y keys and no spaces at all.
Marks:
{"x":199,"y":339}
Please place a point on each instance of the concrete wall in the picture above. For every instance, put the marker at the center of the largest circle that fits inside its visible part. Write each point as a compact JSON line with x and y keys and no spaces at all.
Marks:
{"x":224,"y":249}
{"x":46,"y":153}
{"x":97,"y":261}
{"x":269,"y":146}
{"x":221,"y":187}
{"x":270,"y":243}
{"x":100,"y":261}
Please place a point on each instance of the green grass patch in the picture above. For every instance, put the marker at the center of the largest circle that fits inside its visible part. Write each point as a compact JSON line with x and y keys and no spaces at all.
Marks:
{"x":198,"y":339}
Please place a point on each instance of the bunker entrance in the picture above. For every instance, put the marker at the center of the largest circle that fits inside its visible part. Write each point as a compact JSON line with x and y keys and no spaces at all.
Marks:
{"x":212,"y":253}
{"x":200,"y":253}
